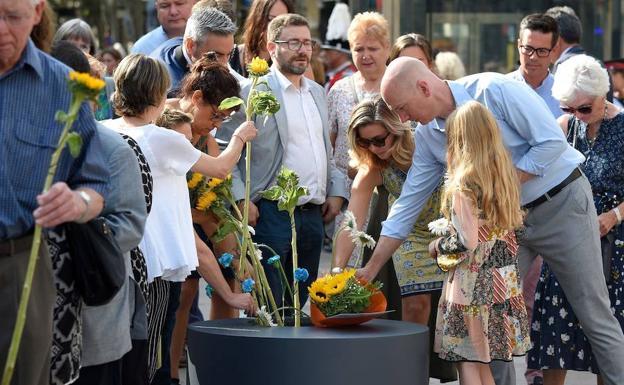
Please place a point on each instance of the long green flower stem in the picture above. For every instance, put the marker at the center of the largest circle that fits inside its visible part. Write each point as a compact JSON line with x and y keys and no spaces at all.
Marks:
{"x":293,"y":246}
{"x":360,"y":254}
{"x":280,"y":268}
{"x":248,"y":115}
{"x":265,"y":285}
{"x":20,"y":322}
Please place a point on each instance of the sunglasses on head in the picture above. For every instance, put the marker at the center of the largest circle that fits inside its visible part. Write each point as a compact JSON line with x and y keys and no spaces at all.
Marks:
{"x":581,"y":110}
{"x":378,"y":141}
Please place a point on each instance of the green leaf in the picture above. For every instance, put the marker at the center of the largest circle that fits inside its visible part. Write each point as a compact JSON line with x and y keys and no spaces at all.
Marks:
{"x":229,"y":103}
{"x":74,"y":141}
{"x":223,"y":231}
{"x":274,"y":193}
{"x":61,"y":116}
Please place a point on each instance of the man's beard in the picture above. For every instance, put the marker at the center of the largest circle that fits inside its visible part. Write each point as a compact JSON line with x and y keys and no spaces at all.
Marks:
{"x":290,"y":68}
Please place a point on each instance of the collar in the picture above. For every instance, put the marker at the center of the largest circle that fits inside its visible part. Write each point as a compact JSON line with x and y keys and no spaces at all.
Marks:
{"x":519,"y":76}
{"x":284,"y":83}
{"x":460,"y":97}
{"x":31,"y":57}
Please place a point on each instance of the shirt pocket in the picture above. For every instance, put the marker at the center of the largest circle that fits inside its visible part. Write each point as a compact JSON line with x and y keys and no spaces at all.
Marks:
{"x":30,"y":151}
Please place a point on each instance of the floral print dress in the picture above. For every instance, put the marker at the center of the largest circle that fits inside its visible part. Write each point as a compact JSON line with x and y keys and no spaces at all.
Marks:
{"x":481,"y":314}
{"x":558,"y":339}
{"x":416,"y":272}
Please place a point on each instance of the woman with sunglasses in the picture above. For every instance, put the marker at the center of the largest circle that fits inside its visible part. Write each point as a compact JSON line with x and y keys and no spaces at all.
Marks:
{"x":381,"y":149}
{"x":595,"y":127}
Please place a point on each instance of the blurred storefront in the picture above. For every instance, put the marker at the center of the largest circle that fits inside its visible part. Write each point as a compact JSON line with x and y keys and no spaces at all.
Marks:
{"x":484,"y":32}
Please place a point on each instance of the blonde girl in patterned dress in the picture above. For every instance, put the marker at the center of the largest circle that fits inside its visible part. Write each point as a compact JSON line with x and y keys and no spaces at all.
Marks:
{"x":481,"y":315}
{"x":381,"y":151}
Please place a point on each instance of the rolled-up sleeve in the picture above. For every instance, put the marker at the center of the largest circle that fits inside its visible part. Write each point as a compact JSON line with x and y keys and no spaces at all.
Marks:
{"x":428,"y":165}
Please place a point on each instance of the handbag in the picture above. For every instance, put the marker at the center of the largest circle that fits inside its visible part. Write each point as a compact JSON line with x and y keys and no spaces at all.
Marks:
{"x":99,"y":267}
{"x":607,"y":245}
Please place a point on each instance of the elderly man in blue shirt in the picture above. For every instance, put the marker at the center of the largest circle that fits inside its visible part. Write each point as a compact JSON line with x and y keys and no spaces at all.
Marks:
{"x":561,"y":222}
{"x":33,"y":87}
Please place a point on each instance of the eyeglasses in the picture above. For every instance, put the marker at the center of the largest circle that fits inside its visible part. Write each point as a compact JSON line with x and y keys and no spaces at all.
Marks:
{"x":12,"y":18}
{"x":219,"y":117}
{"x":528,"y":50}
{"x":378,"y":141}
{"x":295,"y":45}
{"x":584,"y":110}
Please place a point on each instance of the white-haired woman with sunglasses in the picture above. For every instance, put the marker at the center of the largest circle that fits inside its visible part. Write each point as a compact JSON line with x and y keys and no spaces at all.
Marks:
{"x":595,"y":127}
{"x":381,"y":149}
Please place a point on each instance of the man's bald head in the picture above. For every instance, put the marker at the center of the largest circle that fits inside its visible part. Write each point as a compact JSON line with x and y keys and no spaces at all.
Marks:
{"x":407,"y":82}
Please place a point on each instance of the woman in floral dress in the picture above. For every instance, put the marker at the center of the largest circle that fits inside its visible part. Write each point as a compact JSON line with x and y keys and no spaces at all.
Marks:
{"x":595,"y":127}
{"x":481,"y":315}
{"x":382,"y":148}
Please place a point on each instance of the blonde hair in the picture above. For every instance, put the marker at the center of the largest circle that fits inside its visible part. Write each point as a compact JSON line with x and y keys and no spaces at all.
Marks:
{"x":376,"y":111}
{"x":170,"y":118}
{"x":370,"y":24}
{"x":480,"y":167}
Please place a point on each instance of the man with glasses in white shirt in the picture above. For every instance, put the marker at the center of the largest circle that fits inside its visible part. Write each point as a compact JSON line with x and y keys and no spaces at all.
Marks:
{"x":296,"y":137}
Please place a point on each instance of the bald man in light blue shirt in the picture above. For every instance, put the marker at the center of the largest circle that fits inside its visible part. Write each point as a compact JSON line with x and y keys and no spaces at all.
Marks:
{"x":561,"y":222}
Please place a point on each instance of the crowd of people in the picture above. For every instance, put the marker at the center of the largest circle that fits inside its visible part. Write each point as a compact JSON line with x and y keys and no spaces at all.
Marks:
{"x":526,"y":167}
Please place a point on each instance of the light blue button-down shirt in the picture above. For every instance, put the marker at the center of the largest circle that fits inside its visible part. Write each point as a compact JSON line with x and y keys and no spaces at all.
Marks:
{"x":544,"y":91}
{"x":150,"y":41}
{"x":529,"y":131}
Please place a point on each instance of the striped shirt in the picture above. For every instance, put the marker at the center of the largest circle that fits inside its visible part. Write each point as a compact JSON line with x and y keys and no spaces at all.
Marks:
{"x":30,"y":94}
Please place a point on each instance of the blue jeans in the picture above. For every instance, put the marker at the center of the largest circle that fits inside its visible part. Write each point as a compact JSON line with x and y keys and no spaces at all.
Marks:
{"x":273,"y":229}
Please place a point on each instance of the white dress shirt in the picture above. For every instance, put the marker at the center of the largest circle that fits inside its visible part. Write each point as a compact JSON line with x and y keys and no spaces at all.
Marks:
{"x":305,"y":148}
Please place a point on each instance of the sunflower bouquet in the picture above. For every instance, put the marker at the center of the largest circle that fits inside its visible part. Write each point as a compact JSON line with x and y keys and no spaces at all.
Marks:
{"x":206,"y":193}
{"x":342,"y":293}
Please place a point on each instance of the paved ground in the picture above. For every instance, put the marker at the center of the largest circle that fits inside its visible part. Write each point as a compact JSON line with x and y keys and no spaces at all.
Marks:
{"x":573,"y":378}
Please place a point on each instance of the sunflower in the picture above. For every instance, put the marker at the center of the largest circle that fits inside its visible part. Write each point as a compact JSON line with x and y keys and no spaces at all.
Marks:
{"x":317,"y":292}
{"x":204,"y":201}
{"x":214,"y":182}
{"x":258,"y":67}
{"x":194,"y":181}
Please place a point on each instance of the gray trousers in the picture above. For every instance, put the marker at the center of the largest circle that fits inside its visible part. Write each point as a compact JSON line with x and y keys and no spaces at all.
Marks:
{"x":33,"y":360}
{"x":564,"y":231}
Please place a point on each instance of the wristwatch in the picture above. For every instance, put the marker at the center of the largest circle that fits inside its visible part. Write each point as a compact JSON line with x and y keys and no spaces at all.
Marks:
{"x":86,"y":198}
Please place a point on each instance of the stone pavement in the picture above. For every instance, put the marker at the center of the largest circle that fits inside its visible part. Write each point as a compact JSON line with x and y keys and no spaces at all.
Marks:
{"x":573,"y":378}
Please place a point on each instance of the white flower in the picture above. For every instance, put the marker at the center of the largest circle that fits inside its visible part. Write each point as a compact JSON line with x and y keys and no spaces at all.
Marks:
{"x":551,"y":320}
{"x":439,"y":226}
{"x":550,"y":350}
{"x":538,"y":295}
{"x":561,"y":363}
{"x":536,"y":326}
{"x":565,"y":338}
{"x":581,"y":354}
{"x":259,"y":254}
{"x":619,"y":243}
{"x":362,"y":239}
{"x":348,"y":221}
{"x":563,"y":313}
{"x":252,"y":231}
{"x":264,"y":317}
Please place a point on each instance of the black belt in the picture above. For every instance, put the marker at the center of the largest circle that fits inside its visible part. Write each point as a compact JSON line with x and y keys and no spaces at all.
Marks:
{"x":15,"y":246}
{"x":555,"y":190}
{"x":308,"y":206}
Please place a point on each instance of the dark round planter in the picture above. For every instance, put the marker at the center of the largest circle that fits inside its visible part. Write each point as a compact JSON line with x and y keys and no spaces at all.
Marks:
{"x":236,"y":351}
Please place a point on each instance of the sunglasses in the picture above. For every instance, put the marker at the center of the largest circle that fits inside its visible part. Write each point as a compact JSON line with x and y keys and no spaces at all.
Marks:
{"x":581,"y":110}
{"x":378,"y":141}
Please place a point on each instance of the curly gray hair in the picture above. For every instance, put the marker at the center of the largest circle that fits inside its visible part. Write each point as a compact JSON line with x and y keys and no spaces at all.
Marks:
{"x":580,"y":75}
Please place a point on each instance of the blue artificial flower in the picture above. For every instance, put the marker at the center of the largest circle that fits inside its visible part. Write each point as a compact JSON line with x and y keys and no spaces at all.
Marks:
{"x":226,"y":259}
{"x":248,"y":285}
{"x":274,"y":260}
{"x":209,"y":290}
{"x":301,"y":274}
